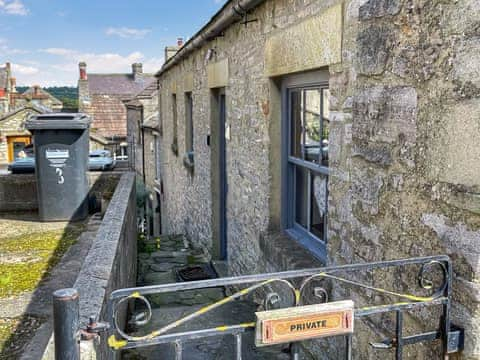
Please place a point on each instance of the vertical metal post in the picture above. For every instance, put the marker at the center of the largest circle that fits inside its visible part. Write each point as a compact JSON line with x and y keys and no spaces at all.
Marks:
{"x":294,"y":351}
{"x":348,"y":351}
{"x":446,"y":311}
{"x":178,"y":350}
{"x":66,"y":324}
{"x":238,"y":340}
{"x":399,"y":336}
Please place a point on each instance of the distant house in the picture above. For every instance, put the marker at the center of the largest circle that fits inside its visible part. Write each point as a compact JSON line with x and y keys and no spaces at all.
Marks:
{"x":13,"y":135}
{"x":36,"y":96}
{"x":144,"y":149}
{"x":102,"y":96}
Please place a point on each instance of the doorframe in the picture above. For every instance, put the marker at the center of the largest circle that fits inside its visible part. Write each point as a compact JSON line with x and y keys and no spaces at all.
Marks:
{"x":11,"y":139}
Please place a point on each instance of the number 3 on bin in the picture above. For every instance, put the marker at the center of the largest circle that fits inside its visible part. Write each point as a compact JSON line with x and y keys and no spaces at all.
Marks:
{"x":61,"y":179}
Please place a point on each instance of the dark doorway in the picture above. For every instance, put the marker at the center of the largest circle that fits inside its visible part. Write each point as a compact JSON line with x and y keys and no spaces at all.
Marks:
{"x":219,"y":174}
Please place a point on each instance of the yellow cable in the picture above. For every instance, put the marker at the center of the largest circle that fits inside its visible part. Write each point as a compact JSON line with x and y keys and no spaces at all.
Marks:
{"x":118,"y":344}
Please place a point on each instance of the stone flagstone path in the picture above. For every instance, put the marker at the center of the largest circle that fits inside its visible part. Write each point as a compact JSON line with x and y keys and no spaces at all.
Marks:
{"x":158,"y":260}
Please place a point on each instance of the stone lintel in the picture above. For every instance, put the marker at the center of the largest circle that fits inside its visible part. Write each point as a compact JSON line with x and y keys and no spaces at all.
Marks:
{"x":217,"y":74}
{"x":311,"y":44}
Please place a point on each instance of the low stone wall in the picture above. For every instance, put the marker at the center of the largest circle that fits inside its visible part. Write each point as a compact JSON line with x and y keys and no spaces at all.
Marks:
{"x":110,"y":264}
{"x":19,"y":192}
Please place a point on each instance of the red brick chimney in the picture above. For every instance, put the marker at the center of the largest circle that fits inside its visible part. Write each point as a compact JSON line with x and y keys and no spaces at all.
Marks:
{"x":82,"y":66}
{"x":36,"y":90}
{"x":179,"y":42}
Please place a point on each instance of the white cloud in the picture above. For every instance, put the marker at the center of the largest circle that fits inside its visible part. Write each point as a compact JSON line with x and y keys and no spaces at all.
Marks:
{"x":127,"y":33}
{"x":24,"y":70}
{"x":59,"y":51}
{"x":64,"y":70}
{"x":13,"y":7}
{"x":5,"y":50}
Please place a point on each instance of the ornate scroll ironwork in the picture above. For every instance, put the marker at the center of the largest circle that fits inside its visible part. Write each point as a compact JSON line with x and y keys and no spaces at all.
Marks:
{"x":435,"y":276}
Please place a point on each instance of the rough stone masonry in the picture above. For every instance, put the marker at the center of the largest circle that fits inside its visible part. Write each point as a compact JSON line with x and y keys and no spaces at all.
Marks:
{"x":404,"y":79}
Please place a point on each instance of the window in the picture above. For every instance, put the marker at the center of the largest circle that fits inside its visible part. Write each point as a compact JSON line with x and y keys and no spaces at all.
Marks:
{"x":188,"y":122}
{"x":306,"y":160}
{"x":175,"y":125}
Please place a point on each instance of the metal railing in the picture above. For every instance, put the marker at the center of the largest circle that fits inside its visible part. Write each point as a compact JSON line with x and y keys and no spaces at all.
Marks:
{"x":434,"y":281}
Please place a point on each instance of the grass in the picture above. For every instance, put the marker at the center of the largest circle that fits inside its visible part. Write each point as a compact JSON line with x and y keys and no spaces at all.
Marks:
{"x":45,"y":248}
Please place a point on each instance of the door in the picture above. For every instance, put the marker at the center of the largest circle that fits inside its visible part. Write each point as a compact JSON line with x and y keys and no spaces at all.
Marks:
{"x":219,"y":184}
{"x":223,"y":177}
{"x":16,"y":144}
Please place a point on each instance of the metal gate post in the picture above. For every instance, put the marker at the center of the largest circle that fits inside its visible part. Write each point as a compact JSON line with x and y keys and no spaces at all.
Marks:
{"x":66,"y":324}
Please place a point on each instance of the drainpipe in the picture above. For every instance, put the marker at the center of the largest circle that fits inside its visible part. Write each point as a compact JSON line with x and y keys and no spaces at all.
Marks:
{"x":230,"y":13}
{"x":144,"y":178}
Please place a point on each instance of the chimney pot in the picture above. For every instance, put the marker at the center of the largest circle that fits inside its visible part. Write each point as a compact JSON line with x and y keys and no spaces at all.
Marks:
{"x":82,"y":66}
{"x":180,"y":41}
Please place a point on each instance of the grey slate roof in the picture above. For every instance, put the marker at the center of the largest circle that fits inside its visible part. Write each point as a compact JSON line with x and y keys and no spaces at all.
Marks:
{"x":37,"y":108}
{"x":118,"y":84}
{"x":31,"y":91}
{"x":3,"y":78}
{"x":148,"y":91}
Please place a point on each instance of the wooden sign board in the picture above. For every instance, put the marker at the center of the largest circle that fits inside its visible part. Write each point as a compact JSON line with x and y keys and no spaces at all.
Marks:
{"x":304,"y":322}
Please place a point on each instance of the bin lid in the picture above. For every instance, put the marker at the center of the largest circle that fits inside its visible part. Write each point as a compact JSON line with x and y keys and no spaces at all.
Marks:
{"x":58,"y":121}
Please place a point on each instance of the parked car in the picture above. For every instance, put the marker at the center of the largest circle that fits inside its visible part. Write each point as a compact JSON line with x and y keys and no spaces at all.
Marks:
{"x":25,"y":165}
{"x":100,"y":160}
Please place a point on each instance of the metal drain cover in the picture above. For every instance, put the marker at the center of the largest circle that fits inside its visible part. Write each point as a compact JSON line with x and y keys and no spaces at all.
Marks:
{"x":196,"y":273}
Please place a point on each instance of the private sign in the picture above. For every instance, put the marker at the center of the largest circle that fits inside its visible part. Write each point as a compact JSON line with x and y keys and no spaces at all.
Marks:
{"x":304,"y":322}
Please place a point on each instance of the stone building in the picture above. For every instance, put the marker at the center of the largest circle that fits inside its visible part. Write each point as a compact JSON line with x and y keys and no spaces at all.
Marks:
{"x":144,"y":149}
{"x":330,"y":132}
{"x":36,"y":96}
{"x":102,"y":96}
{"x":13,"y":135}
{"x":17,"y":107}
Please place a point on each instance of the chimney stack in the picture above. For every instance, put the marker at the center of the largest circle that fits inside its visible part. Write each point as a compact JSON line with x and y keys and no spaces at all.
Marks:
{"x":82,"y":66}
{"x":13,"y":85}
{"x":179,"y":42}
{"x":36,"y":90}
{"x":137,"y":70}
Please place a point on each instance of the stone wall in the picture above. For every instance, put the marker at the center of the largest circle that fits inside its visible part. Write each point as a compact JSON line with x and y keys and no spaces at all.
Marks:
{"x":19,"y":192}
{"x":404,"y":161}
{"x":110,"y":264}
{"x":13,"y":125}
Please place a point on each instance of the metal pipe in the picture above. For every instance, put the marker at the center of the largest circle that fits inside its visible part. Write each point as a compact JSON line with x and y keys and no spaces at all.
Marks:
{"x":192,"y":285}
{"x":232,"y":11}
{"x":238,"y":341}
{"x":66,"y":324}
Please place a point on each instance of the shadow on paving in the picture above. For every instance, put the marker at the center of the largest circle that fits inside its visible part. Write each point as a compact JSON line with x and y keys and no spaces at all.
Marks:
{"x":35,"y":262}
{"x":157,"y":265}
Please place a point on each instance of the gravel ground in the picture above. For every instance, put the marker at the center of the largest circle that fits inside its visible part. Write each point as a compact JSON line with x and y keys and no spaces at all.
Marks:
{"x":29,"y":252}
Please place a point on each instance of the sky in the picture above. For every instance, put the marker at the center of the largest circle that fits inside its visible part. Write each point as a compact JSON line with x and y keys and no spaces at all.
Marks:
{"x":44,"y":40}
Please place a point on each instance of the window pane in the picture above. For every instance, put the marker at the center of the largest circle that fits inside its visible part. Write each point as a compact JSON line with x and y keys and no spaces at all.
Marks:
{"x":312,"y":125}
{"x":318,"y":211}
{"x":301,"y":196}
{"x":325,"y":125}
{"x":296,"y":124}
{"x":188,"y":122}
